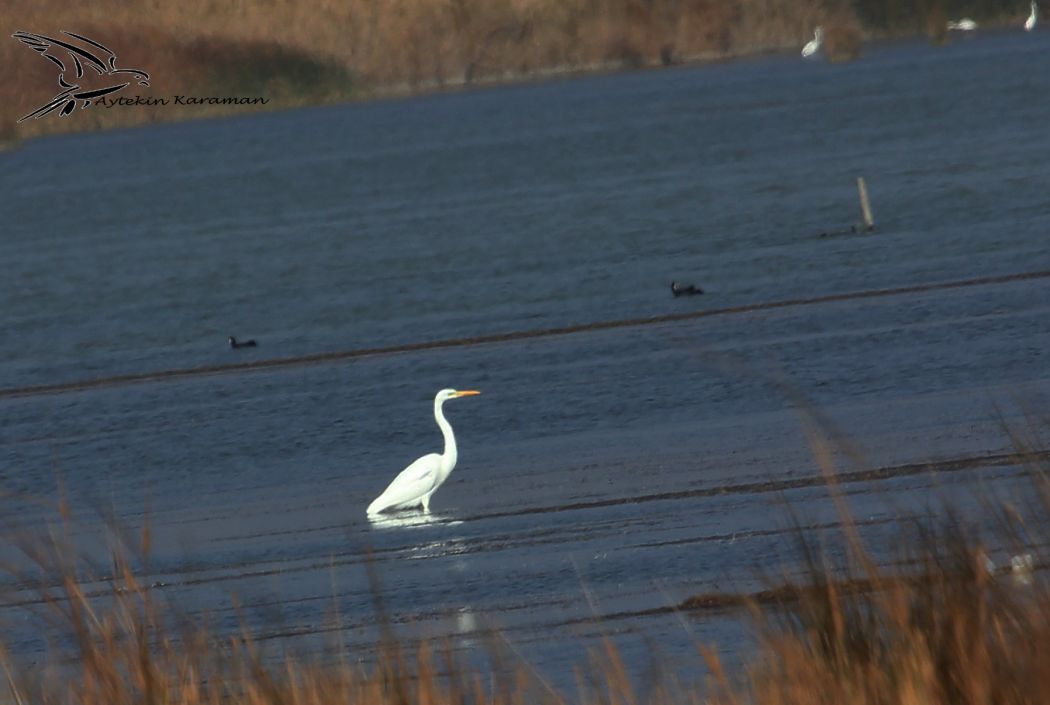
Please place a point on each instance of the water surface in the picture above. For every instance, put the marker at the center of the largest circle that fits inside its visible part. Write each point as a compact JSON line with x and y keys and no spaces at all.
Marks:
{"x":640,"y":464}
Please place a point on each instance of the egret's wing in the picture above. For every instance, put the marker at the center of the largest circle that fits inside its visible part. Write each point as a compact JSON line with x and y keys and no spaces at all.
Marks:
{"x":410,"y":485}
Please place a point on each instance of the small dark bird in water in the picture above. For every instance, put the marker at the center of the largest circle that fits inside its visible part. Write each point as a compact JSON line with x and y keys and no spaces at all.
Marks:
{"x":234,"y":343}
{"x":687,"y":290}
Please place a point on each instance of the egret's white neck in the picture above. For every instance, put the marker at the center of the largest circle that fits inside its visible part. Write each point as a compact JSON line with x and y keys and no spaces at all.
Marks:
{"x":448,"y":458}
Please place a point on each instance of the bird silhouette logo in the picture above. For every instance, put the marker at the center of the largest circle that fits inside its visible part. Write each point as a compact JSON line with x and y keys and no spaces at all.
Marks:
{"x":86,"y":55}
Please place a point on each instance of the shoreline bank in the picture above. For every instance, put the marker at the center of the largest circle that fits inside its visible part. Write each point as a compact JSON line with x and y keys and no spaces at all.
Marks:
{"x":337,"y":86}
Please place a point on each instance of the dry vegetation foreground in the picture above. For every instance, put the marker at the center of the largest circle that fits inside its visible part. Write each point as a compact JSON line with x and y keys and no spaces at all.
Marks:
{"x":942,"y":626}
{"x":298,"y":53}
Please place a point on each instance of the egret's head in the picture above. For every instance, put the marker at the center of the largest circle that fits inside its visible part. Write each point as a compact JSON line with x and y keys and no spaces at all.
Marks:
{"x":446,"y":394}
{"x":819,"y":32}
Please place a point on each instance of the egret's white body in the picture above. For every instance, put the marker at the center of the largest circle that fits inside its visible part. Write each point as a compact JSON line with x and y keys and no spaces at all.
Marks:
{"x":963,"y":25}
{"x":415,"y":484}
{"x":1029,"y":24}
{"x":814,"y":44}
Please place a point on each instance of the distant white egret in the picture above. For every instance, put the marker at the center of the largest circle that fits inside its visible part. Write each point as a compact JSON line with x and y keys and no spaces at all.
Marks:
{"x":1029,"y":24}
{"x":814,"y":44}
{"x":415,"y":484}
{"x":963,"y":25}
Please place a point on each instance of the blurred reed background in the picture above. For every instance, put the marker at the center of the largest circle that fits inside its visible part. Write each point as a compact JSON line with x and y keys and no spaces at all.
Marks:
{"x":304,"y":53}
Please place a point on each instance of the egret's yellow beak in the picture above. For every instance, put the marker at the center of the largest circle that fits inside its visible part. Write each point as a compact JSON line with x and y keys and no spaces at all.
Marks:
{"x":466,"y":393}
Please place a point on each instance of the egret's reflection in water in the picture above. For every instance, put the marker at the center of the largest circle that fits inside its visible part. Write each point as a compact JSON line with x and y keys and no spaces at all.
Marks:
{"x":411,"y":518}
{"x":447,"y":544}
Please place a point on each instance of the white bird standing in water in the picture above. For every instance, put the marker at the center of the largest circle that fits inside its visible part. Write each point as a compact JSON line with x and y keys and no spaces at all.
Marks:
{"x":963,"y":25}
{"x":415,"y":484}
{"x":1029,"y":24}
{"x":814,"y":44}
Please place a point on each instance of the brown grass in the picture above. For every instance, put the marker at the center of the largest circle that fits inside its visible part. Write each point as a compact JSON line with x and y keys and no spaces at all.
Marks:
{"x":957,"y":635}
{"x":945,"y":631}
{"x":313,"y":52}
{"x":298,"y":52}
{"x":198,"y":66}
{"x":941,"y":626}
{"x":843,"y":41}
{"x":126,"y":646}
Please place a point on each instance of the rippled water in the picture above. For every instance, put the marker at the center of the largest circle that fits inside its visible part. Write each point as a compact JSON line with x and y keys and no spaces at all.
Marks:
{"x":642,"y":463}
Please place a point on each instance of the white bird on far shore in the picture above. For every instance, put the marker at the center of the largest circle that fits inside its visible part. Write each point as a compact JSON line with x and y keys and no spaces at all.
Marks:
{"x":963,"y":25}
{"x":1029,"y":24}
{"x":814,"y":44}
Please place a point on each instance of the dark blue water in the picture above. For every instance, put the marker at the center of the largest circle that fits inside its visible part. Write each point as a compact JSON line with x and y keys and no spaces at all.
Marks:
{"x":641,"y":464}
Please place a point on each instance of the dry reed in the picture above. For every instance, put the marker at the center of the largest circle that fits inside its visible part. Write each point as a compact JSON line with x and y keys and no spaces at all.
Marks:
{"x":297,"y":53}
{"x":294,"y":52}
{"x":941,"y":626}
{"x":843,"y":41}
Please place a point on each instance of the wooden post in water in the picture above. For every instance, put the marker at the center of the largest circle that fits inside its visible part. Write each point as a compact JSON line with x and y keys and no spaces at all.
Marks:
{"x":865,"y":205}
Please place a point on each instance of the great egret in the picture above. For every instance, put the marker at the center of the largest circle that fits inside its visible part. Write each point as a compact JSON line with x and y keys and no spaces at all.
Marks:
{"x":814,"y":44}
{"x":415,"y":484}
{"x":963,"y":25}
{"x":687,"y":290}
{"x":1029,"y":24}
{"x":234,"y":343}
